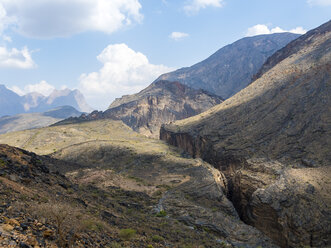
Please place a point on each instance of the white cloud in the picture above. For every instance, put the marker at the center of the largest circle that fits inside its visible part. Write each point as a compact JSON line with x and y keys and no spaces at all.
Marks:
{"x":193,"y":6}
{"x":264,"y":29}
{"x":319,"y":2}
{"x":58,"y":18}
{"x":124,"y":71}
{"x":43,"y":88}
{"x":15,"y":58}
{"x":178,"y":35}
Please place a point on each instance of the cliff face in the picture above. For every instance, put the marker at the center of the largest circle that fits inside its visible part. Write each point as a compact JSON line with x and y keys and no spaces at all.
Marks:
{"x":272,"y":141}
{"x":162,"y":102}
{"x":231,"y":68}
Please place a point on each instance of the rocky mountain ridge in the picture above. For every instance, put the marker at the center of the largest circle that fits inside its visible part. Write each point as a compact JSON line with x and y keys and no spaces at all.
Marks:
{"x":231,"y":68}
{"x":161,"y":102}
{"x":272,"y":142}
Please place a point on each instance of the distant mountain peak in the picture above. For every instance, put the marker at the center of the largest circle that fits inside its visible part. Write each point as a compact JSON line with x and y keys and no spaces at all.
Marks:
{"x":11,"y":103}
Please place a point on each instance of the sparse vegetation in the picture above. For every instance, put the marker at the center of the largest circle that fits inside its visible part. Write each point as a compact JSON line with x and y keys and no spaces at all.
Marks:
{"x":162,"y":213}
{"x":127,"y":234}
{"x":157,"y":238}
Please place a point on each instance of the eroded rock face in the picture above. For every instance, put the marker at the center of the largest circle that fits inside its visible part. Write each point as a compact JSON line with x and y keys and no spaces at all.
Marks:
{"x":162,"y":102}
{"x":196,"y":194}
{"x":267,"y":138}
{"x":295,"y":209}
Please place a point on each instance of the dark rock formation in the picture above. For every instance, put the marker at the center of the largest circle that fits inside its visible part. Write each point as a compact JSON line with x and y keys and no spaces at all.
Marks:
{"x":272,"y":141}
{"x":161,"y":102}
{"x":231,"y":68}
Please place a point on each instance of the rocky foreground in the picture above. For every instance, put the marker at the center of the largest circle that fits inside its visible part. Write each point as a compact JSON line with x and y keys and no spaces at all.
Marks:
{"x":122,"y":180}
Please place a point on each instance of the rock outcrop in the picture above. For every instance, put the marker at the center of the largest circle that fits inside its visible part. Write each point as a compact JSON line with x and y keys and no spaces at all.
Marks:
{"x":272,"y":142}
{"x":231,"y":68}
{"x":160,"y":103}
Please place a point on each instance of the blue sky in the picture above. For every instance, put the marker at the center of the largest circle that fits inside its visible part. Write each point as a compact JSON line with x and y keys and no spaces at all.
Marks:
{"x":107,"y":48}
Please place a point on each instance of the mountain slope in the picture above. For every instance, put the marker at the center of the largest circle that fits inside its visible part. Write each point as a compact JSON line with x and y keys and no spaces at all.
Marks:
{"x":40,"y":207}
{"x":281,"y":120}
{"x":9,"y":102}
{"x":36,"y":120}
{"x":231,"y":68}
{"x":180,"y":199}
{"x":161,"y":102}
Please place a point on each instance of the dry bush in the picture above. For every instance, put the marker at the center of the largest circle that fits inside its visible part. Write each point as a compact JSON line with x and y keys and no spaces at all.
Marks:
{"x":66,"y":219}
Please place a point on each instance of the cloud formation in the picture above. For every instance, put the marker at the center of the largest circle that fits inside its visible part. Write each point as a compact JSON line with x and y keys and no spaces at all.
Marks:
{"x":43,"y":88}
{"x":15,"y":58}
{"x":58,"y":18}
{"x":194,"y":6}
{"x":264,"y":29}
{"x":178,"y":35}
{"x":319,"y":2}
{"x":124,"y":71}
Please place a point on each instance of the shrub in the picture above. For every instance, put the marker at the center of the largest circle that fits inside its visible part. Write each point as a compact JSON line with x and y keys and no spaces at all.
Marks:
{"x":115,"y":245}
{"x":157,"y":238}
{"x":64,"y":217}
{"x":93,"y":225}
{"x":162,"y":213}
{"x":127,"y":234}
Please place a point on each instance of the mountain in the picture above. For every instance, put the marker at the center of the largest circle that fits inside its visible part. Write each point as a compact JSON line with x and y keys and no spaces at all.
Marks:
{"x":231,"y":68}
{"x":32,"y":100}
{"x":57,"y":98}
{"x":161,"y":102}
{"x":272,"y":141}
{"x":9,"y":102}
{"x":12,"y":104}
{"x":36,"y":120}
{"x":119,"y":179}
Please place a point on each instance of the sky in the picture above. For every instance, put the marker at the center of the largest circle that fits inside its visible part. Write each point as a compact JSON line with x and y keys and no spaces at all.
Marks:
{"x":110,"y":48}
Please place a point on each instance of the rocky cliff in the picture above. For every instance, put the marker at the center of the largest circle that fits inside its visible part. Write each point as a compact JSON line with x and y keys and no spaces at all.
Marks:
{"x":272,"y":142}
{"x":161,"y":102}
{"x":231,"y":68}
